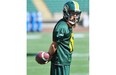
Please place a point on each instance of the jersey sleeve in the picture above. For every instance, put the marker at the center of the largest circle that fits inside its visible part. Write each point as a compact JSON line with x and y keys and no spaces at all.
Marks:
{"x":58,"y":34}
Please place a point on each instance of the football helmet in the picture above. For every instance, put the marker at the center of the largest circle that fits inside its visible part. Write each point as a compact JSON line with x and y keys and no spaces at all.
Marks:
{"x":71,"y":8}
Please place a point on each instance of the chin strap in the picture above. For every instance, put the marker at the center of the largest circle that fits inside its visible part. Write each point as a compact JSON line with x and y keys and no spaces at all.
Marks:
{"x":71,"y":22}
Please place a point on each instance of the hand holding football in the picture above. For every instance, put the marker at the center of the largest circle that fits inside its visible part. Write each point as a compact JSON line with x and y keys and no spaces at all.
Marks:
{"x":42,"y":57}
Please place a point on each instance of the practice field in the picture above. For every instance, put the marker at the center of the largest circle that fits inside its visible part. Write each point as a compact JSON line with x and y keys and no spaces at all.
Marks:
{"x":40,"y":41}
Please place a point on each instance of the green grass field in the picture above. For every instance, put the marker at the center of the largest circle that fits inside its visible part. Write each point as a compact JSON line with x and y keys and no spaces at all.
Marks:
{"x":40,"y":41}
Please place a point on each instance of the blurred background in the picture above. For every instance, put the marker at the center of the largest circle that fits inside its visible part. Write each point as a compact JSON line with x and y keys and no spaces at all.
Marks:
{"x":45,"y":13}
{"x":42,"y":15}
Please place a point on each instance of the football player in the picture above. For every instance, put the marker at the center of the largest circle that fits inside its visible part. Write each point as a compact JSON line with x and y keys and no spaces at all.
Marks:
{"x":62,"y":46}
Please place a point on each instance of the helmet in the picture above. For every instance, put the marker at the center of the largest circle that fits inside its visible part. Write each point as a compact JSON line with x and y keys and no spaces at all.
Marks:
{"x":69,"y":8}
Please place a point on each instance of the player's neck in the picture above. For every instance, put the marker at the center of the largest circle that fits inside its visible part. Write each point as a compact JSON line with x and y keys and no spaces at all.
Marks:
{"x":69,"y":24}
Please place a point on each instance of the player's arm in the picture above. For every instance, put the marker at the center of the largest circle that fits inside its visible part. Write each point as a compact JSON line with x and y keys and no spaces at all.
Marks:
{"x":52,"y":49}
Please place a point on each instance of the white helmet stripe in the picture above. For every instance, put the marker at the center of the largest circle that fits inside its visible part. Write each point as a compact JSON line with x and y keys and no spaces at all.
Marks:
{"x":76,"y":6}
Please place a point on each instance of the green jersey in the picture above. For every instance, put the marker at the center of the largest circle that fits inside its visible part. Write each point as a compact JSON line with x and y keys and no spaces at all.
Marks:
{"x":64,"y":37}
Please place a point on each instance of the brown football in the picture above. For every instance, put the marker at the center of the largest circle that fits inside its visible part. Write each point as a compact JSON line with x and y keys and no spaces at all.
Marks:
{"x":42,"y":57}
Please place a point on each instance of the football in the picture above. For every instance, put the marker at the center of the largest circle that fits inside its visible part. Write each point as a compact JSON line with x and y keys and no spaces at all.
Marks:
{"x":42,"y":57}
